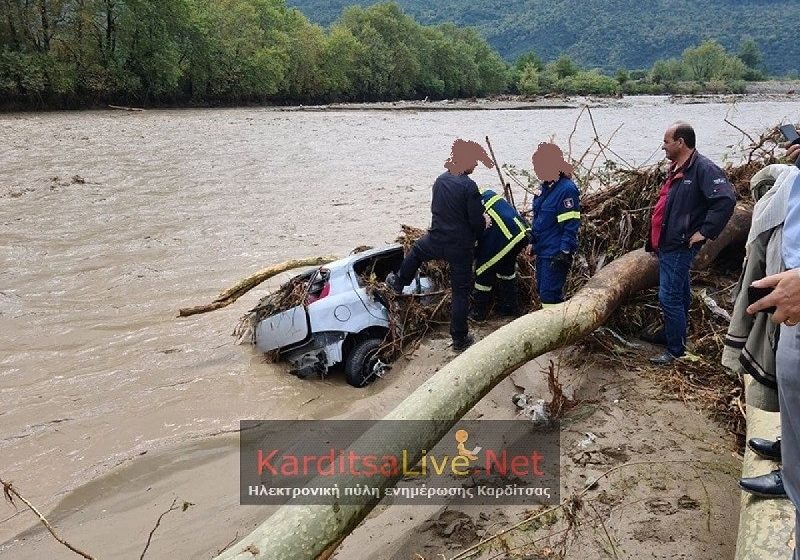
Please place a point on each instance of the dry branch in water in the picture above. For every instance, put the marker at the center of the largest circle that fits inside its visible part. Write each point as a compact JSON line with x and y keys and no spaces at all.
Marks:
{"x":246,"y":284}
{"x":172,"y":507}
{"x":10,"y":493}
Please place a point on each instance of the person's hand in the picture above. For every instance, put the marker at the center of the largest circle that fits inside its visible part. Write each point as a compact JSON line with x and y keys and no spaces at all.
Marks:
{"x":793,"y":152}
{"x":785,"y":297}
{"x":488,"y":221}
{"x":696,"y":238}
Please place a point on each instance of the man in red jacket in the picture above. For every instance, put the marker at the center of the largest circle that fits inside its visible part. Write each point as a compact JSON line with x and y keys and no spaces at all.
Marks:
{"x":694,"y":205}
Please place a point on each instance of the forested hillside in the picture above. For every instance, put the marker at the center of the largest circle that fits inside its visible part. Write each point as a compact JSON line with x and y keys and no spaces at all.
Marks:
{"x":609,"y":34}
{"x":79,"y":53}
{"x":73,"y":53}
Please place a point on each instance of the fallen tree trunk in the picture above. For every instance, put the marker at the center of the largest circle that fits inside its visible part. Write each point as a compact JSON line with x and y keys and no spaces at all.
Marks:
{"x":735,"y":231}
{"x":246,"y":284}
{"x":303,"y":532}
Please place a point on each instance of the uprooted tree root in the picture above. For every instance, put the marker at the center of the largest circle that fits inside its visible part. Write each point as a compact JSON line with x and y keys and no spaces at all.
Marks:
{"x":559,"y":403}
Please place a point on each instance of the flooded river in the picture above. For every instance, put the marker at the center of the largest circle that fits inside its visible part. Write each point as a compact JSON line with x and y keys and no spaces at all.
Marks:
{"x":110,"y":221}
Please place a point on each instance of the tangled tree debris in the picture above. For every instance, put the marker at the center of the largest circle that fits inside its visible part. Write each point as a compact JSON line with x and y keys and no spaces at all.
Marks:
{"x":615,"y":218}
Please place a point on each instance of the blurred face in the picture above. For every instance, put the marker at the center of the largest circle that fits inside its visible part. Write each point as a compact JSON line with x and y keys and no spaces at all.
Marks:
{"x":546,"y":167}
{"x":672,"y":147}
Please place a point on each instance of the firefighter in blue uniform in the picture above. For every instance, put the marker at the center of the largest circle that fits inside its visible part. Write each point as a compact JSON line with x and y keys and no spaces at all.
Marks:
{"x":496,"y":257}
{"x":556,"y":220}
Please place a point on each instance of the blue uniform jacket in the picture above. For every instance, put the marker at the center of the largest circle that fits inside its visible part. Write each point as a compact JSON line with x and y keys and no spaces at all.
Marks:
{"x":506,"y":231}
{"x":556,"y":218}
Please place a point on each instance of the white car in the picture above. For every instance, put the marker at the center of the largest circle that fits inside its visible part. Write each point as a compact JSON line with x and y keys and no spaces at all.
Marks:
{"x":339,"y":321}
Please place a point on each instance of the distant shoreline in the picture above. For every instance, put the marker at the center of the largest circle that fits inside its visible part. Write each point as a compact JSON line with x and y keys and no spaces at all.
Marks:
{"x":519,"y":103}
{"x":773,"y":90}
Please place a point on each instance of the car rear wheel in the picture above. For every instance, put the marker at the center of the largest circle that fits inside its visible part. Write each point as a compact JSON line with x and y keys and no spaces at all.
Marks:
{"x":362,"y":364}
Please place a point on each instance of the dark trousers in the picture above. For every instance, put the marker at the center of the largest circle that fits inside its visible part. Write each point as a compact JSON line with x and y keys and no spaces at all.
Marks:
{"x":460,"y":261}
{"x":550,"y":279}
{"x":503,"y":276}
{"x":675,"y":295}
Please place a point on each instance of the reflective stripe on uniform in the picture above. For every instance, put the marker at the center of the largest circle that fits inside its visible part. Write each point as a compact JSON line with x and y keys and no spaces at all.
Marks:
{"x":482,"y":288}
{"x":499,"y":222}
{"x":572,"y":215}
{"x":489,"y":203}
{"x":510,"y":277}
{"x":520,"y":225}
{"x":503,"y":252}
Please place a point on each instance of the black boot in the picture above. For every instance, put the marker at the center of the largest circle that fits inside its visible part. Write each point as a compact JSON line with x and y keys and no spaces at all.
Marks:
{"x":508,"y":298}
{"x":463,"y":343}
{"x":393,"y":281}
{"x":768,"y":485}
{"x":766,"y":448}
{"x":480,"y":305}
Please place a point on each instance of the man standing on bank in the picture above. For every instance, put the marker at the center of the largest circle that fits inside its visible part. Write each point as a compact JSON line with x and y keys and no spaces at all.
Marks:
{"x":694,"y":205}
{"x":457,"y":222}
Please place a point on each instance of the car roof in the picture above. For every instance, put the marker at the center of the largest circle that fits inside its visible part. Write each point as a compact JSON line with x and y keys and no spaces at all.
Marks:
{"x":352,"y":259}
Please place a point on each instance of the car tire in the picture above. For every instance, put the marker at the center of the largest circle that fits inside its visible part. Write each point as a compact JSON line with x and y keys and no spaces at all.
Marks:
{"x":360,"y":360}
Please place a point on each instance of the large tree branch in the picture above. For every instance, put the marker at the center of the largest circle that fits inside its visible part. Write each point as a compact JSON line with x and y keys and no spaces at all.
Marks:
{"x":457,"y":387}
{"x":246,"y":284}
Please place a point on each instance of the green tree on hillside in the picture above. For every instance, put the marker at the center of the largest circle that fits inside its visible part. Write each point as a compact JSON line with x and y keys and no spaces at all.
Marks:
{"x":529,"y":58}
{"x":529,"y":80}
{"x":750,"y":54}
{"x":564,"y":67}
{"x":338,"y":63}
{"x":709,"y":61}
{"x":667,"y":71}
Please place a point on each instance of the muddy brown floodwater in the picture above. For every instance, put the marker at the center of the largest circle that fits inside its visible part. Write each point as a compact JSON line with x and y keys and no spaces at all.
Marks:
{"x":110,"y":221}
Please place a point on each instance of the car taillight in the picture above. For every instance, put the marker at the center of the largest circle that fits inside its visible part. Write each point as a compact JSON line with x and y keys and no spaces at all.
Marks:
{"x":326,"y":289}
{"x":320,"y":287}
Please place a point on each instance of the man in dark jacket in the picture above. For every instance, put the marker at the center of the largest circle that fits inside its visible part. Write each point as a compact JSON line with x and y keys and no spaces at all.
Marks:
{"x":457,"y":222}
{"x":694,"y":205}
